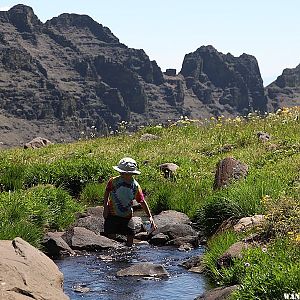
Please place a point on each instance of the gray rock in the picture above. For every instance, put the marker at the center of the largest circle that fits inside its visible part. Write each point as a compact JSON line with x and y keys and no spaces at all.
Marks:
{"x":228,"y":170}
{"x":27,"y":273}
{"x":169,"y":217}
{"x":247,"y":223}
{"x":92,"y":220}
{"x":144,"y":269}
{"x":83,"y":239}
{"x":263,"y":136}
{"x":168,"y":169}
{"x":220,"y":293}
{"x":149,"y":137}
{"x":37,"y":142}
{"x":194,"y":264}
{"x":55,"y":246}
{"x":175,"y":234}
{"x":159,"y":239}
{"x":234,"y":251}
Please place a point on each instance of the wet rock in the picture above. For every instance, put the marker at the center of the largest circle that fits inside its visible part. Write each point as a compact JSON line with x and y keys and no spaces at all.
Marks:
{"x":55,"y":246}
{"x":159,"y":239}
{"x":168,"y":169}
{"x":138,"y":224}
{"x":83,"y":239}
{"x":247,"y":223}
{"x":179,"y":234}
{"x":144,"y":269}
{"x":192,"y":262}
{"x":229,"y":169}
{"x":27,"y":273}
{"x":37,"y":142}
{"x":220,"y":293}
{"x":81,"y":289}
{"x":189,"y":241}
{"x":142,"y":236}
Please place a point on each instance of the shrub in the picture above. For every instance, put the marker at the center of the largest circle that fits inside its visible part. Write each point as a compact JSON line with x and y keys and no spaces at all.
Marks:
{"x":211,"y":215}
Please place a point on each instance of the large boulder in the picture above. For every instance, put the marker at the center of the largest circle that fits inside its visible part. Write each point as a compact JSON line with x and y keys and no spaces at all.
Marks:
{"x":27,"y":273}
{"x":228,"y":170}
{"x":173,"y":228}
{"x":144,"y":269}
{"x":175,"y":234}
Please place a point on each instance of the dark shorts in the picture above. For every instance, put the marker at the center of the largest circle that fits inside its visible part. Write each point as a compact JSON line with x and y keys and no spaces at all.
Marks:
{"x":118,"y":225}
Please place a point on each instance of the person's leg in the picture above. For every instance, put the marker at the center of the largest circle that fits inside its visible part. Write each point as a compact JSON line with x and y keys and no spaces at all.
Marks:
{"x":129,"y":242}
{"x":111,"y":236}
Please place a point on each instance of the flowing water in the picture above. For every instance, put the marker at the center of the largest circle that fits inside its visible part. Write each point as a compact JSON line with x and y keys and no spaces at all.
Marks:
{"x":93,"y":276}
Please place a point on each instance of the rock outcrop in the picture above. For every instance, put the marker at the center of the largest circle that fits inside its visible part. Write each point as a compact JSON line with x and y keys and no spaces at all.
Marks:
{"x":285,"y":90}
{"x":224,"y":82}
{"x":27,"y":273}
{"x":71,"y":78}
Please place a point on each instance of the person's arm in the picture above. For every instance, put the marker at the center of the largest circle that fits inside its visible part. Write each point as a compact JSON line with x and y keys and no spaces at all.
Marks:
{"x":145,"y":207}
{"x":105,"y":204}
{"x":106,"y":198}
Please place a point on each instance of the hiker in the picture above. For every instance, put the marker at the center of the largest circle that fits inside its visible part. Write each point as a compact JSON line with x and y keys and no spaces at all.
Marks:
{"x":118,"y":200}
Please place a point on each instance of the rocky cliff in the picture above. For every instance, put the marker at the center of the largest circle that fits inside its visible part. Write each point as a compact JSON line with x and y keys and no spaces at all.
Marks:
{"x":285,"y":90}
{"x":71,"y":74}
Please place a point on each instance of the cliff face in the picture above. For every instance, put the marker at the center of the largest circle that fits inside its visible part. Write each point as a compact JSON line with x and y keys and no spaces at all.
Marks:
{"x":71,"y":74}
{"x":219,"y":80}
{"x":285,"y":90}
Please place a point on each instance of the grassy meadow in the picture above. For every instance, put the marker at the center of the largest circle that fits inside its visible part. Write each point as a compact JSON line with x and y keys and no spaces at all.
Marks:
{"x":42,"y":189}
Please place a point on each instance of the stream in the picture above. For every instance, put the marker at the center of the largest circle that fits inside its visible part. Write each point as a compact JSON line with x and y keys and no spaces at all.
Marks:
{"x":92,"y":276}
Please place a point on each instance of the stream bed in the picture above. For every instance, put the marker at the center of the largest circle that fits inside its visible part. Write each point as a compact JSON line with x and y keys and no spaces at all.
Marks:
{"x":93,"y":276}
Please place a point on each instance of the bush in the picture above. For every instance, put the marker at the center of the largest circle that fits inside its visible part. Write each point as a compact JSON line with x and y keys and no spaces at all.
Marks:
{"x":211,"y":215}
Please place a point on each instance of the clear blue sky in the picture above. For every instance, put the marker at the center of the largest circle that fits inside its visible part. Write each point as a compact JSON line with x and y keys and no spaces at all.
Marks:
{"x":169,"y":29}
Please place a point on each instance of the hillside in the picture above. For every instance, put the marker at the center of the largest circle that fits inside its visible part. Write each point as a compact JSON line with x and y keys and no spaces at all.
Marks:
{"x":63,"y":77}
{"x":42,"y":190}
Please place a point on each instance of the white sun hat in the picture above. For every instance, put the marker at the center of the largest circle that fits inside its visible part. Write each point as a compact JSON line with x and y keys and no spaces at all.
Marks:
{"x":127,"y":165}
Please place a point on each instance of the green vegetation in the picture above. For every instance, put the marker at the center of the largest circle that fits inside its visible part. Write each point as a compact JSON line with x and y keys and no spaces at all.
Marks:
{"x":43,"y":188}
